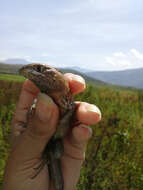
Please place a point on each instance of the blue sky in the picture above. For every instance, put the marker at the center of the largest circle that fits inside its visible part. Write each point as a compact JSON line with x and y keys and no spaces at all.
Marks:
{"x":93,"y":34}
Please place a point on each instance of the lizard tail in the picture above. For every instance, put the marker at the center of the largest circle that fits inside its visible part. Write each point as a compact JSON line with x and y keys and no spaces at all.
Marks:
{"x":55,"y":171}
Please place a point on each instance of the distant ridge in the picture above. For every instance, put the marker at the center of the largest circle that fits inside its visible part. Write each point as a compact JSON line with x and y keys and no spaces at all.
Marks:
{"x":128,"y":78}
{"x":10,"y":68}
{"x":16,"y":61}
{"x":80,"y":69}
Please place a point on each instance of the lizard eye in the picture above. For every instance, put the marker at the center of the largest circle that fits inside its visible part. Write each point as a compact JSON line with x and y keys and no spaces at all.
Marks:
{"x":39,"y":68}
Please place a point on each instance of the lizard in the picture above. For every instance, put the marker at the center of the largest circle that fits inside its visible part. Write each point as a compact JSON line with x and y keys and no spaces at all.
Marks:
{"x":53,"y":83}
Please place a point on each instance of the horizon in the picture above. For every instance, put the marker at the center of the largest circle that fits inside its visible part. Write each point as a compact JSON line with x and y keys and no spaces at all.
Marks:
{"x":84,"y":33}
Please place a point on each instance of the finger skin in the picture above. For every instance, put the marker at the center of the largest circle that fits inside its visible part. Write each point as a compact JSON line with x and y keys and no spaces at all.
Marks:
{"x":76,"y":83}
{"x":88,"y":114}
{"x":74,"y":155}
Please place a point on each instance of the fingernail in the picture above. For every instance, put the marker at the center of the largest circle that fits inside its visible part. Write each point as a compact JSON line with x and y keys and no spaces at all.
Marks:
{"x":87,"y":127}
{"x":79,"y":79}
{"x":82,"y":133}
{"x":17,"y":133}
{"x":47,"y":99}
{"x":44,"y":106}
{"x":95,"y":109}
{"x":76,"y":78}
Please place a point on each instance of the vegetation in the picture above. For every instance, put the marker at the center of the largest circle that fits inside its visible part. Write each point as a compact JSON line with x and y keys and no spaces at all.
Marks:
{"x":9,"y":92}
{"x":11,"y":77}
{"x":9,"y":68}
{"x":114,"y":158}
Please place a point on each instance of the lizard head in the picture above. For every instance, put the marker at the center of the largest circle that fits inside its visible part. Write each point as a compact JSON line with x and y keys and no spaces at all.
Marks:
{"x":46,"y":78}
{"x":32,"y":70}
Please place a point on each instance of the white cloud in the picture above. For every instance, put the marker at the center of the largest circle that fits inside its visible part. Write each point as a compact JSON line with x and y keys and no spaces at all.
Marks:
{"x":121,"y":61}
{"x":119,"y":54}
{"x":137,"y":54}
{"x":118,"y":62}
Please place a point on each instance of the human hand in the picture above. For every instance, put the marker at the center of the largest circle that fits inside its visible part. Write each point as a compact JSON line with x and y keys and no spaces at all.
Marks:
{"x":29,"y":143}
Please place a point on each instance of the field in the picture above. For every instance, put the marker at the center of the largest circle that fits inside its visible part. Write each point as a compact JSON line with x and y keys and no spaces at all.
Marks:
{"x":10,"y":77}
{"x":114,"y":157}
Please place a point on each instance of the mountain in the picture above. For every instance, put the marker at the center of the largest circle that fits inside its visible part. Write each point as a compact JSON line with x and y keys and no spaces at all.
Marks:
{"x":10,"y":68}
{"x":130,"y":77}
{"x":80,"y":69}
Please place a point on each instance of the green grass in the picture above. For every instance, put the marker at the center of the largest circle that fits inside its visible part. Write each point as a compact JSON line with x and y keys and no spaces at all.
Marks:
{"x":11,"y":77}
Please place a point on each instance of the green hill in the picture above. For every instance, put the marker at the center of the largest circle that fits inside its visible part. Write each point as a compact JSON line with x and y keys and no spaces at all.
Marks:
{"x":9,"y":68}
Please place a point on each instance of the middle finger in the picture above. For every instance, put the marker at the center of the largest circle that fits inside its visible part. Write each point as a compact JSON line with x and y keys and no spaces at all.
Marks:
{"x":88,"y":114}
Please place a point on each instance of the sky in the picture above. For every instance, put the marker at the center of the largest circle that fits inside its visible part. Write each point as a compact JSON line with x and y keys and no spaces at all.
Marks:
{"x":92,"y":34}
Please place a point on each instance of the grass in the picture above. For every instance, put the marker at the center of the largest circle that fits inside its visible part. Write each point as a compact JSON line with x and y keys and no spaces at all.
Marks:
{"x":12,"y":77}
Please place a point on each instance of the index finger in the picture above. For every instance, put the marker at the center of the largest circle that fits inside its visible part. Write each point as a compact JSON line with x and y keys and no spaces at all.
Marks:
{"x":76,"y":83}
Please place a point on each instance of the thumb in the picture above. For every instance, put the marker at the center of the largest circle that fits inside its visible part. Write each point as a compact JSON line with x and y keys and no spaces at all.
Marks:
{"x":26,"y":153}
{"x":43,"y":122}
{"x":41,"y":126}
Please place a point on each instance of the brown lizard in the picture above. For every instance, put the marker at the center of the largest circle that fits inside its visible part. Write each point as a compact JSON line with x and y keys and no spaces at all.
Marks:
{"x":53,"y":83}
